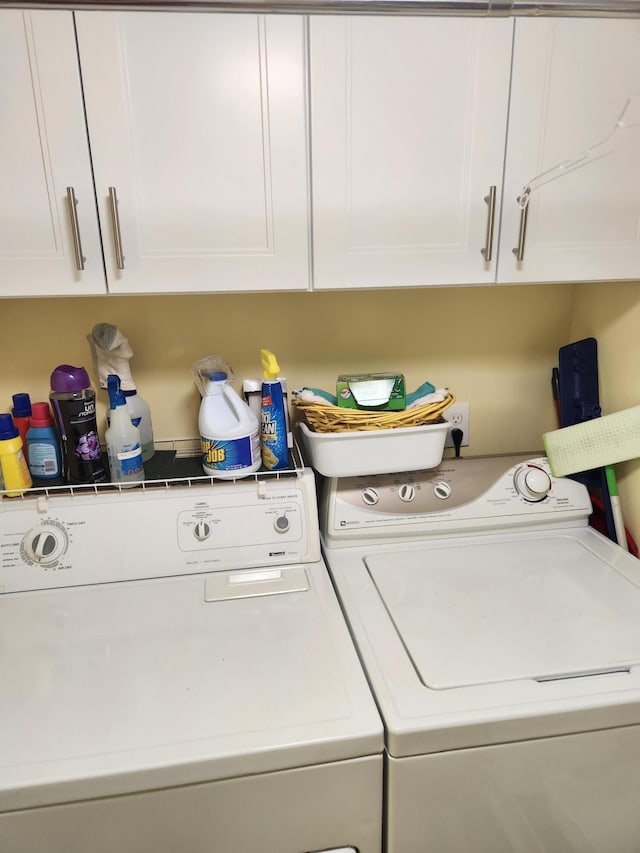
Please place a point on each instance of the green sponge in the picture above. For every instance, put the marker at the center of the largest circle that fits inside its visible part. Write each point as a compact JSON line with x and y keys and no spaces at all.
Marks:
{"x":593,"y":444}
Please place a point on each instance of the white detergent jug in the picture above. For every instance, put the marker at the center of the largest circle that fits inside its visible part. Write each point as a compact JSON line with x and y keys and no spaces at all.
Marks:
{"x":229,"y":429}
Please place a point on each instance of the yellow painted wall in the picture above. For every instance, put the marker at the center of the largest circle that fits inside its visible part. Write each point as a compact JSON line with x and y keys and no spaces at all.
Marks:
{"x":610,"y":312}
{"x":493,"y":346}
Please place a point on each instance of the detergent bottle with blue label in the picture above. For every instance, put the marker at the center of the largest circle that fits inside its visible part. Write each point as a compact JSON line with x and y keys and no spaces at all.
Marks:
{"x":229,"y":430}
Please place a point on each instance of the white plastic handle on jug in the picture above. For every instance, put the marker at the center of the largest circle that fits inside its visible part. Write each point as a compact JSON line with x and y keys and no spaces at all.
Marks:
{"x":241,"y":410}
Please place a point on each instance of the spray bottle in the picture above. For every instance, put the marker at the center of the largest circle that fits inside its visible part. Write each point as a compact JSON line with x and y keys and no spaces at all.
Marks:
{"x":111,"y":355}
{"x":123,"y":439}
{"x":274,"y":416}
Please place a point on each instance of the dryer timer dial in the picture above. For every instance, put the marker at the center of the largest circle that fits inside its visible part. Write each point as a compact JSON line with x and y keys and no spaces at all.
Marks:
{"x":532,"y":483}
{"x":45,"y":545}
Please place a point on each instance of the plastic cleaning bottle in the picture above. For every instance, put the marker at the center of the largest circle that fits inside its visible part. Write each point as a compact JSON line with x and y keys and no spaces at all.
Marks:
{"x":273,"y":424}
{"x":73,"y":401}
{"x":43,"y":444}
{"x":21,"y":414}
{"x":252,"y":393}
{"x":229,"y":430}
{"x":15,"y":474}
{"x":140,"y":415}
{"x":123,"y":440}
{"x":111,"y":355}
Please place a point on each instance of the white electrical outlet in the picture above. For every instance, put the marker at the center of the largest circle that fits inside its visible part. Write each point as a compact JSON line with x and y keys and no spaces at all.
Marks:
{"x":458,"y":416}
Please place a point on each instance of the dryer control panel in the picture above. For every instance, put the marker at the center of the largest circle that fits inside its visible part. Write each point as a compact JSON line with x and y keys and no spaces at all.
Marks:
{"x":84,"y":538}
{"x":460,"y":495}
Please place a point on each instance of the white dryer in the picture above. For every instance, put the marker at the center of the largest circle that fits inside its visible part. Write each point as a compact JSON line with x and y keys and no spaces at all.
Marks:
{"x":501,"y":637}
{"x":176,"y":675}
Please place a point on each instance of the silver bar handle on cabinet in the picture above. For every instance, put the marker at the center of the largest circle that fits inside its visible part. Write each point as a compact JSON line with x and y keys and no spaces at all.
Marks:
{"x":522,"y":233}
{"x":115,"y":222}
{"x":487,"y":252}
{"x":75,"y":228}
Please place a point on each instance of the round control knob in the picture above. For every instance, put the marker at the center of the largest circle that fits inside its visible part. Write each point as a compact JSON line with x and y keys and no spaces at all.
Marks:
{"x":201,"y":531}
{"x":44,"y":545}
{"x":281,"y":524}
{"x":442,"y":490}
{"x":532,"y":483}
{"x":370,"y":496}
{"x":407,"y":492}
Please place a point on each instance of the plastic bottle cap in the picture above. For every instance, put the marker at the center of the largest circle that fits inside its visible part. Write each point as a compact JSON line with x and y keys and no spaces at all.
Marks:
{"x":67,"y":378}
{"x":270,"y":366}
{"x":7,"y":427}
{"x":21,"y":406}
{"x":217,"y":375}
{"x":41,"y":416}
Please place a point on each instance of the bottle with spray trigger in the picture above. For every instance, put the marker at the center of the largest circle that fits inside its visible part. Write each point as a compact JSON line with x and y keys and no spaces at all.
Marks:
{"x":111,"y":353}
{"x":274,"y":441}
{"x":123,"y":439}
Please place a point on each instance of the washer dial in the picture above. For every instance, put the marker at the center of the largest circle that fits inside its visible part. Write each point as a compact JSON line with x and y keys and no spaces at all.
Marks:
{"x":370,"y":496}
{"x":532,"y":483}
{"x":442,"y":490}
{"x":407,"y":492}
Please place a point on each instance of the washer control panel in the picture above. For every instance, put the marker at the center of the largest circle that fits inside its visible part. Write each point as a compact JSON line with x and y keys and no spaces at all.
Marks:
{"x":68,"y":540}
{"x":458,"y":495}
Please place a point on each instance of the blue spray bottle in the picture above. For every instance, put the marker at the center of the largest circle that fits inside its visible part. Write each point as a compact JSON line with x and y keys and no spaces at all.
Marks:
{"x":123,"y":439}
{"x":273,"y":421}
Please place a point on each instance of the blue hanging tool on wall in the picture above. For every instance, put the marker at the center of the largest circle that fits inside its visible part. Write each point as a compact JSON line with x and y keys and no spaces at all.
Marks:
{"x":579,"y":401}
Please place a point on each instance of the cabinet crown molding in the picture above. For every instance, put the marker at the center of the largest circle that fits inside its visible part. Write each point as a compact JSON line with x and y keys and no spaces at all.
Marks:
{"x":482,"y":8}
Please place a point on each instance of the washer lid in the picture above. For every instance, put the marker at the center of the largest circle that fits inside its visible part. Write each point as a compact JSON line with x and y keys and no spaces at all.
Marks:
{"x":509,"y":610}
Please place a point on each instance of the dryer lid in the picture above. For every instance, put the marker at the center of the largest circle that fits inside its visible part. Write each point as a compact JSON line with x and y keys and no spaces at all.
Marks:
{"x":509,"y":610}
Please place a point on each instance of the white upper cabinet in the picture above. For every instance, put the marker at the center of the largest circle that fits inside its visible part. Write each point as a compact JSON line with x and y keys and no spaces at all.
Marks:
{"x":44,"y":151}
{"x":571,"y":80}
{"x":408,"y":124}
{"x":197,"y":125}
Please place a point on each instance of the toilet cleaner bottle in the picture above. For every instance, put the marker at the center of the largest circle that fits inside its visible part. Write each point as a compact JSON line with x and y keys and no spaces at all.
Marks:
{"x":273,"y":421}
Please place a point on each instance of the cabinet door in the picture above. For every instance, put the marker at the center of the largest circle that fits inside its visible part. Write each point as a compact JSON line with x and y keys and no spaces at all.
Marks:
{"x":44,"y":150}
{"x":408,"y":133}
{"x":571,"y":80}
{"x":197,"y":122}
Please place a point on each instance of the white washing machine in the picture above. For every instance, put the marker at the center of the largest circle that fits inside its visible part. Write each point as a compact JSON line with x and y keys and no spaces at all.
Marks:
{"x":501,"y":637}
{"x":176,"y":675}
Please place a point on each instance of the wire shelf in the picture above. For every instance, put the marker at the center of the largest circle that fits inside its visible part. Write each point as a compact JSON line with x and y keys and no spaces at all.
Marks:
{"x":174,"y":463}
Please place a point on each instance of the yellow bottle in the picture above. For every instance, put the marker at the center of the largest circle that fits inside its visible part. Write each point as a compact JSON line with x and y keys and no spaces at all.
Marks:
{"x":16,"y":478}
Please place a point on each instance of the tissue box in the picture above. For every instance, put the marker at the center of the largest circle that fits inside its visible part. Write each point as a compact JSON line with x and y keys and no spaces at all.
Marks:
{"x":381,"y":392}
